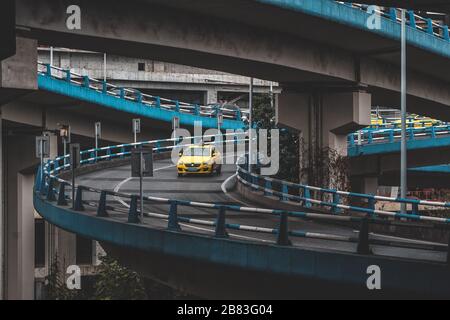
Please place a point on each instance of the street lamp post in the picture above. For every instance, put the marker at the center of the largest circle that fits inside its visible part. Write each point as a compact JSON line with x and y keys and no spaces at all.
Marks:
{"x":403,"y":161}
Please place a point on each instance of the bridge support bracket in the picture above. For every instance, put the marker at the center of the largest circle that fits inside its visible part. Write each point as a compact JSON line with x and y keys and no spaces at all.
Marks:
{"x":283,"y":231}
{"x":62,"y":201}
{"x":78,"y":205}
{"x":173,"y":224}
{"x":221,"y":230}
{"x":101,"y":210}
{"x":133,"y":216}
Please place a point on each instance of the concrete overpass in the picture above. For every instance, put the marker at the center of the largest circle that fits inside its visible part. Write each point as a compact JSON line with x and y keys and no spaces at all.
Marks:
{"x":241,"y":245}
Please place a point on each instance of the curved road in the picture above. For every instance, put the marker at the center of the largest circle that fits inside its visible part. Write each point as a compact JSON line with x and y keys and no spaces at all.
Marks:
{"x":166,"y":184}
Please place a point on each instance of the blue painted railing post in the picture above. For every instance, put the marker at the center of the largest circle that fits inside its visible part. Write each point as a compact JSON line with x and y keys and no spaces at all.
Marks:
{"x":433,"y":132}
{"x":268,"y":188}
{"x":86,"y":81}
{"x":306,"y":196}
{"x":411,"y":134}
{"x":158,"y":146}
{"x":370,"y":137}
{"x":429,"y":26}
{"x":255,"y":182}
{"x":139,"y":97}
{"x":283,"y":230}
{"x":238,"y":114}
{"x":336,"y":201}
{"x":50,"y":190}
{"x":158,"y":102}
{"x":177,"y":106}
{"x":133,"y":215}
{"x":122,"y":151}
{"x":122,"y":93}
{"x":221,"y":230}
{"x":412,"y":19}
{"x":371,"y":203}
{"x":391,"y":136}
{"x":68,"y":75}
{"x":173,"y":217}
{"x":108,"y":153}
{"x":101,"y":210}
{"x":78,"y":205}
{"x":352,"y":140}
{"x":104,"y":87}
{"x":48,"y":69}
{"x":363,"y":238}
{"x":445,"y":33}
{"x":393,"y":14}
{"x":415,"y":208}
{"x":62,"y":201}
{"x":196,"y":109}
{"x":93,"y":157}
{"x":285,"y":192}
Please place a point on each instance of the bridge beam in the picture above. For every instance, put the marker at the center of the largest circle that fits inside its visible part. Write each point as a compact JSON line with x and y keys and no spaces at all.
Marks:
{"x":323,"y":119}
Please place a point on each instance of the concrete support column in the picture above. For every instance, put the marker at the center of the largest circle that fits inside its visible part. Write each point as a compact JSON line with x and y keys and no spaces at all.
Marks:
{"x":324,"y":120}
{"x":211,"y":96}
{"x":19,"y":175}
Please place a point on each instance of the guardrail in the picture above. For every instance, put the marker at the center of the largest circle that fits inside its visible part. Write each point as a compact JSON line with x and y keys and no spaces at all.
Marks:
{"x":310,"y":195}
{"x":137,"y":96}
{"x":392,"y":135}
{"x":414,"y":20}
{"x":48,"y":177}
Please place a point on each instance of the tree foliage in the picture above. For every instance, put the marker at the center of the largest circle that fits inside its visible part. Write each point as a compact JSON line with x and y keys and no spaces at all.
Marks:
{"x":116,"y":282}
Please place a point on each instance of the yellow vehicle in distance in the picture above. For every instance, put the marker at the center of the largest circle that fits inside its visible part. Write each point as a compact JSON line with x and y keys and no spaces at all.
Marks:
{"x":199,"y":159}
{"x":417,"y":121}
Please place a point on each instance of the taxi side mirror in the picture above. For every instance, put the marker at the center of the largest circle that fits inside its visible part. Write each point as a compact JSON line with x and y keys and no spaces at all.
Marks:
{"x":180,"y":154}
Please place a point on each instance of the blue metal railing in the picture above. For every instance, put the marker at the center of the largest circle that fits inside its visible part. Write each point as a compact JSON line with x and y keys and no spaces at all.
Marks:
{"x":137,"y":96}
{"x":390,"y":135}
{"x":303,"y":194}
{"x":414,"y":20}
{"x":48,"y":176}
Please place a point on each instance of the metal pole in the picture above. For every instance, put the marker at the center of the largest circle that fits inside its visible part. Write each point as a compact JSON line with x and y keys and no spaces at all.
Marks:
{"x":141,"y":191}
{"x":250,"y":120}
{"x":73,"y":182}
{"x":65,"y":152}
{"x":104,"y":67}
{"x":403,"y":164}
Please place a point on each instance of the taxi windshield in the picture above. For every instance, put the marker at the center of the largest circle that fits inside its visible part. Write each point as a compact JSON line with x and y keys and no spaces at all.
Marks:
{"x":197,"y":152}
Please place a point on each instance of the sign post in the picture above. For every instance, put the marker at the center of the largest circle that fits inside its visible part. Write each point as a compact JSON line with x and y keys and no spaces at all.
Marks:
{"x":175,"y":127}
{"x":75,"y":160}
{"x":64,"y":133}
{"x":98,"y":135}
{"x":136,"y":129}
{"x":142,"y":166}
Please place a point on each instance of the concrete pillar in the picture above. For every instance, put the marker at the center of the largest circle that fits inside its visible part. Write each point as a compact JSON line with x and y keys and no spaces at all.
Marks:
{"x":19,"y":167}
{"x":211,"y":96}
{"x":26,"y":236}
{"x":324,"y":120}
{"x":18,"y":73}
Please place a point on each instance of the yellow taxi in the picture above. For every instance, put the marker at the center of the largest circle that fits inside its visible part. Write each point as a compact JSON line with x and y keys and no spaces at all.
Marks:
{"x":203,"y":159}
